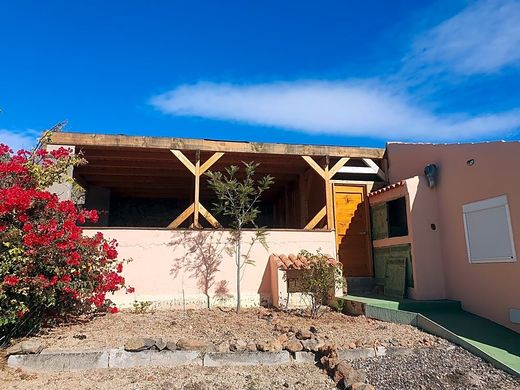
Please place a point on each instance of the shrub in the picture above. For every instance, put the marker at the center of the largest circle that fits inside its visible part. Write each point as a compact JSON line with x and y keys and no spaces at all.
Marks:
{"x":48,"y":269}
{"x":319,"y":280}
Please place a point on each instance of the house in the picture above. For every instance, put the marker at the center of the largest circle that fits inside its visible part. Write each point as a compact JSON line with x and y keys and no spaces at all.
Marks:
{"x":374,"y":210}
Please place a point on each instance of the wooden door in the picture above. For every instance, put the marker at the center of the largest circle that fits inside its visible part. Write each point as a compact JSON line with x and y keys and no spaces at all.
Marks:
{"x":352,"y":230}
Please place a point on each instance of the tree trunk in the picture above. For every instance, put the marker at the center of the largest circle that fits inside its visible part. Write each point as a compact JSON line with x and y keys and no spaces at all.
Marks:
{"x":238,"y":274}
{"x":208,"y":300}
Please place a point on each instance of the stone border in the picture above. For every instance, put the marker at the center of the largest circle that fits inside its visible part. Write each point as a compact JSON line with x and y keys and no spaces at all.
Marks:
{"x":67,"y":360}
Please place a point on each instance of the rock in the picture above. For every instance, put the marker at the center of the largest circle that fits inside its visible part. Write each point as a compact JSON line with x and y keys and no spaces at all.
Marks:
{"x":293,"y":346}
{"x":160,"y":344}
{"x":171,"y":346}
{"x":238,"y":346}
{"x":312,"y":345}
{"x":329,"y":362}
{"x":313,"y":329}
{"x":136,"y":344}
{"x":25,"y":347}
{"x":223,"y":347}
{"x":352,"y":345}
{"x":191,"y":344}
{"x":342,"y":371}
{"x":303,"y":334}
{"x":361,"y":386}
{"x":354,"y":376}
{"x":269,"y":346}
{"x":80,"y":336}
{"x":251,"y":347}
{"x":283,"y":338}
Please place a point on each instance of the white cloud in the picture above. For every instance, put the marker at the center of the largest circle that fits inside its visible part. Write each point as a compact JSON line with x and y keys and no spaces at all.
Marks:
{"x":17,"y":140}
{"x":483,"y":38}
{"x":340,"y":108}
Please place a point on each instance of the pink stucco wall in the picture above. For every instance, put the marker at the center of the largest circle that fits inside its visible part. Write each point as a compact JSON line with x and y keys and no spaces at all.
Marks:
{"x":488,"y":289}
{"x":155,"y":251}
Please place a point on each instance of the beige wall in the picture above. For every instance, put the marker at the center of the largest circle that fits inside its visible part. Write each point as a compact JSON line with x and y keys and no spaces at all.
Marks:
{"x":154,"y":252}
{"x":489,"y":289}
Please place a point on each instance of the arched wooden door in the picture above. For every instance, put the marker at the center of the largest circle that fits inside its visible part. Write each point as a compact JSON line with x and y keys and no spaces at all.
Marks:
{"x":353,"y":230}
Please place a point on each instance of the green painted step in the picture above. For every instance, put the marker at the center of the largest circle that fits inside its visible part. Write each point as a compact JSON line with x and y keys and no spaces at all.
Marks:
{"x":496,"y":341}
{"x":407,"y":304}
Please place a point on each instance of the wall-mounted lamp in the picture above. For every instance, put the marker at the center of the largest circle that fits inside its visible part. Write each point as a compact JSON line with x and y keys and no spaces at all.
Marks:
{"x":431,"y":172}
{"x":470,"y":162}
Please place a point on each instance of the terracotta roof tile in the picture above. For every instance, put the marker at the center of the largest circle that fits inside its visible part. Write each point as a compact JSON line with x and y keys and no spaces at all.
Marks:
{"x":387,"y":188}
{"x":292,"y":261}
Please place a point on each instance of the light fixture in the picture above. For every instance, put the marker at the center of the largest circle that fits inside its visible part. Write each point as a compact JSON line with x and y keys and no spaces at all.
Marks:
{"x":431,"y":172}
{"x":470,"y":162}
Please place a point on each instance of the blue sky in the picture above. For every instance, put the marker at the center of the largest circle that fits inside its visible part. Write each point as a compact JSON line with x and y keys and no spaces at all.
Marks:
{"x":344,"y":72}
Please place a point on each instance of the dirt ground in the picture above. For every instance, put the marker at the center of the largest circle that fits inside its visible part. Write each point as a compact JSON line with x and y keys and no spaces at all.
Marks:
{"x":304,"y":377}
{"x":217,"y":326}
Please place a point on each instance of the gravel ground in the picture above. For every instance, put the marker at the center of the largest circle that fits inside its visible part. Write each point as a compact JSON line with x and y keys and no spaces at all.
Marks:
{"x":216,"y":326}
{"x":433,"y":369}
{"x":304,"y":377}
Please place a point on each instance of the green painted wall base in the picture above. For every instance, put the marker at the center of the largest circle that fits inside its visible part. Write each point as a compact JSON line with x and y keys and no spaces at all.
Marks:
{"x":444,"y":318}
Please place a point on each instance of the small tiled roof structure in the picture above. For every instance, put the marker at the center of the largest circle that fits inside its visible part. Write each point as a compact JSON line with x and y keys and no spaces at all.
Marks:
{"x":291,"y":261}
{"x":387,"y":188}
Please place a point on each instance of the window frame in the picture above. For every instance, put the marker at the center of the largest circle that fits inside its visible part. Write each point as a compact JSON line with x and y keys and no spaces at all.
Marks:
{"x":487,"y":204}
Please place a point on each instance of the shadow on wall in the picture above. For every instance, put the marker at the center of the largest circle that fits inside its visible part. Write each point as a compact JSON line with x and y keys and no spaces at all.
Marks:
{"x":202,"y":255}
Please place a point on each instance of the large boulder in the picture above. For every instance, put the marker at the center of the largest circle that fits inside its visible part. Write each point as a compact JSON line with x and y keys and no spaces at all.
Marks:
{"x":31,"y":346}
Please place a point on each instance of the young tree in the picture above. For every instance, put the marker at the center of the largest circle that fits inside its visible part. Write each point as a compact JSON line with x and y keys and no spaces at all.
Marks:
{"x":238,"y":199}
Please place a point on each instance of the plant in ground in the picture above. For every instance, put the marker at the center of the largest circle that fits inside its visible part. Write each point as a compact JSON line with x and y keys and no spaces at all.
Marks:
{"x":48,"y":268}
{"x":238,"y":199}
{"x":320,"y":280}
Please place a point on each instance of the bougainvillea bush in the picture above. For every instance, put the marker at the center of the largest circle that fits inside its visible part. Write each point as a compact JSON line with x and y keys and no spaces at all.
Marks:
{"x":49,"y":270}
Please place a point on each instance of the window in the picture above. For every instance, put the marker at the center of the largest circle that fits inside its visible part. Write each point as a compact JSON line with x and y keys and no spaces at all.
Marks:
{"x":397,"y":223}
{"x":489,"y":236}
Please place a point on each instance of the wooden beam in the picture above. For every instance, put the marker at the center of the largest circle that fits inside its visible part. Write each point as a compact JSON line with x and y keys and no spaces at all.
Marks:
{"x":210,"y":218}
{"x":317,"y":218}
{"x":315,"y":166}
{"x":375,"y":167}
{"x":100,"y":141}
{"x":183,"y":159}
{"x":340,"y":164}
{"x":210,"y":161}
{"x":181,"y":218}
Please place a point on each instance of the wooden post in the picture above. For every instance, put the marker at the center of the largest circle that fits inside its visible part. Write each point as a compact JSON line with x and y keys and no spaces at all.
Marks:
{"x":196,"y":195}
{"x":328,"y":197}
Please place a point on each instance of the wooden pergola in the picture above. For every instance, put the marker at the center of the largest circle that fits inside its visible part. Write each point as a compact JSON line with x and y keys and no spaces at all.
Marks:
{"x":117,"y":161}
